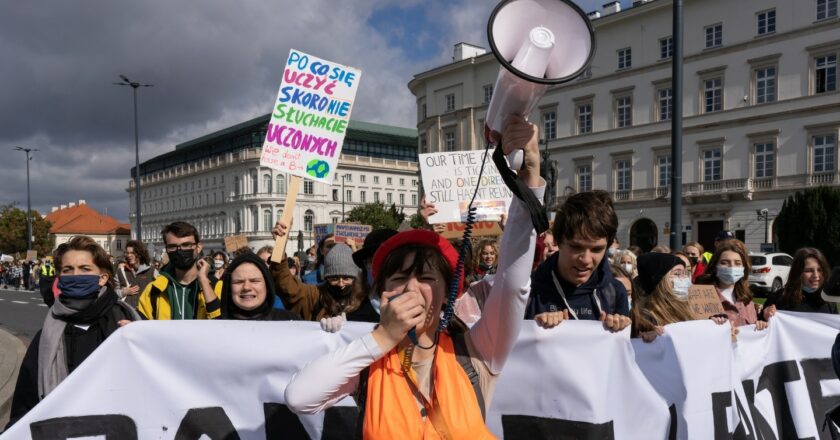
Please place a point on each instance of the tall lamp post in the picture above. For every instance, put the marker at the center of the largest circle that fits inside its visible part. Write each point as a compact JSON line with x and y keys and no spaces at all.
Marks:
{"x":28,"y":198}
{"x":134,"y":86}
{"x":676,"y":124}
{"x":343,"y":177}
{"x":764,"y":214}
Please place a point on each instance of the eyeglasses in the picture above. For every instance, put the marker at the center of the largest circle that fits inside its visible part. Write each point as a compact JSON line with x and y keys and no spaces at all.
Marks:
{"x":338,"y":278}
{"x":178,"y":247}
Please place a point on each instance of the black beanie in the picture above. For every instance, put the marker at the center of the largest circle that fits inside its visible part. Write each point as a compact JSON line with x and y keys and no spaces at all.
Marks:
{"x":652,"y":267}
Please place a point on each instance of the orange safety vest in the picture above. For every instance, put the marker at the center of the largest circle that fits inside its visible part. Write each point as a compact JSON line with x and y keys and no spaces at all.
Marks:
{"x":391,"y":410}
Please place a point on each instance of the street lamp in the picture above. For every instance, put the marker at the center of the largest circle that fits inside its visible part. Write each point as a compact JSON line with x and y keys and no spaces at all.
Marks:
{"x":134,"y":86}
{"x":28,"y":198}
{"x":343,"y":177}
{"x":764,"y":214}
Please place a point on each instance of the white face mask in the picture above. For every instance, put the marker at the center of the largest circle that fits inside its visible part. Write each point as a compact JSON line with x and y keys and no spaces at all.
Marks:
{"x":681,"y":286}
{"x":628,"y":267}
{"x":218,"y":264}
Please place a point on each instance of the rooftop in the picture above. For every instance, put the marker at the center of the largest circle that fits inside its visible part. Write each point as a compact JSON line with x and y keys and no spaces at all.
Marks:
{"x":82,"y":219}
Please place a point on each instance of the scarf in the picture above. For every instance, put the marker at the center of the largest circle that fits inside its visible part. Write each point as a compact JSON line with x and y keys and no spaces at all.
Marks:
{"x":52,"y":359}
{"x":392,"y":410}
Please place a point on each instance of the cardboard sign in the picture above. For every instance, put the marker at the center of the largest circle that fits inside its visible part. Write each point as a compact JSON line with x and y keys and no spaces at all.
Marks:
{"x":31,"y":255}
{"x":235,"y":242}
{"x":310,"y":117}
{"x":321,"y":230}
{"x":704,"y":301}
{"x":353,"y":231}
{"x":450,"y":179}
{"x":480,"y":229}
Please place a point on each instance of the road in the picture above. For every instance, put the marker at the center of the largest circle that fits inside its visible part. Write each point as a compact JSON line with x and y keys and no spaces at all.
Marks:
{"x":22,"y":312}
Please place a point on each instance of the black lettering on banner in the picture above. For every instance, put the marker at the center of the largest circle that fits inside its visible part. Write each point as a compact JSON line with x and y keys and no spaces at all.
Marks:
{"x":763,"y":430}
{"x":773,"y":379}
{"x":515,"y":427}
{"x":816,"y":370}
{"x":280,"y":422}
{"x":339,"y":422}
{"x":720,"y":403}
{"x":212,"y":422}
{"x":112,"y":426}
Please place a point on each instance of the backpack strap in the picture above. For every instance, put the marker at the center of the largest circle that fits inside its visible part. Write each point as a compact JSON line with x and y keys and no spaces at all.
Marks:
{"x":463,"y":356}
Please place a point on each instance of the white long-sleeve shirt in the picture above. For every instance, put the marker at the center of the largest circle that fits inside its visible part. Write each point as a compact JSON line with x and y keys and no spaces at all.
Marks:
{"x":332,"y":377}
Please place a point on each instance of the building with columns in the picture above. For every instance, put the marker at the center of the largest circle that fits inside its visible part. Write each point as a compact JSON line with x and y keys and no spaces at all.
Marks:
{"x":761,"y":113}
{"x":216,"y":183}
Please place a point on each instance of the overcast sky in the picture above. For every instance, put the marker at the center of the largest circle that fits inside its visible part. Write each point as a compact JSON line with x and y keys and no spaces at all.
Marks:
{"x":213,"y":64}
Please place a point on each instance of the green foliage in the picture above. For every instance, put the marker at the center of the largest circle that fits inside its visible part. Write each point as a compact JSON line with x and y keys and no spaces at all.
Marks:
{"x":13,"y":232}
{"x":810,"y":218}
{"x":376,"y":215}
{"x":417,"y":221}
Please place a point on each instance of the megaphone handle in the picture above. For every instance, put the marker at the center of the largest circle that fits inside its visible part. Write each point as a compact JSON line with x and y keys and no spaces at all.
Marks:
{"x":538,"y":215}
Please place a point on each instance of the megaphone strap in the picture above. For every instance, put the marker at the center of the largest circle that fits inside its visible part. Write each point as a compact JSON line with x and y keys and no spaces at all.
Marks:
{"x":539,"y":218}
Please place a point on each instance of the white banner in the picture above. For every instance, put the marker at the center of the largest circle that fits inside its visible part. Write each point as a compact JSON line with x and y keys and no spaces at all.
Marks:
{"x":225,"y":380}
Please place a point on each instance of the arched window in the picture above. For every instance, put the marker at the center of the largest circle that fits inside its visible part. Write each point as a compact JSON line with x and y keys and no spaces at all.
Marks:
{"x":237,"y":223}
{"x":644,"y":234}
{"x":308,"y":220}
{"x":254,"y":182}
{"x":267,"y":218}
{"x":281,"y":184}
{"x":267,"y":183}
{"x":237,"y":186}
{"x":279,"y":216}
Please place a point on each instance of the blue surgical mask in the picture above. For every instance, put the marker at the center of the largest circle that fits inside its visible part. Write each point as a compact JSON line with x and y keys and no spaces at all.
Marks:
{"x":611,"y":252}
{"x":681,"y":286}
{"x":78,"y":286}
{"x":807,"y":289}
{"x":730,"y":275}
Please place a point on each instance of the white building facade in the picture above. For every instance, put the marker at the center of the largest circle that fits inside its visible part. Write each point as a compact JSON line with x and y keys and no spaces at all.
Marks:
{"x":761,"y":114}
{"x":216,"y":183}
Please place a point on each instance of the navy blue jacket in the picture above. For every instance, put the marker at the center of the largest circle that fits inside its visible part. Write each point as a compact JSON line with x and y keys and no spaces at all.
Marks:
{"x":546,"y":298}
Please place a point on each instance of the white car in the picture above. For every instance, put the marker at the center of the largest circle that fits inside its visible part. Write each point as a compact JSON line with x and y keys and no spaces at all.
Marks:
{"x":769,"y":271}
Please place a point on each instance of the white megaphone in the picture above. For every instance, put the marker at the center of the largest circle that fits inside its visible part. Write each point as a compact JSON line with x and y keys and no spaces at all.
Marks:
{"x":538,"y":43}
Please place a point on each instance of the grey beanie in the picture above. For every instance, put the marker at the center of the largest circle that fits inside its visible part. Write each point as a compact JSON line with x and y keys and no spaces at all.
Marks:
{"x":339,"y":262}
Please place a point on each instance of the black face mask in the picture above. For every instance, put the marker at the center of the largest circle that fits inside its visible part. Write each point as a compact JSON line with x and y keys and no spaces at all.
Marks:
{"x":693,"y":260}
{"x":339,"y":292}
{"x":182,"y":259}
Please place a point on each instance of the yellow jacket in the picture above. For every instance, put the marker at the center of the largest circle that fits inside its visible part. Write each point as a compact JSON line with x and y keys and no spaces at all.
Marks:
{"x":154,"y":303}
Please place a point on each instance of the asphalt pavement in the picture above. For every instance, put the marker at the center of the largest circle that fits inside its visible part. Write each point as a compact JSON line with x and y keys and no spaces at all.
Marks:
{"x":22,"y":312}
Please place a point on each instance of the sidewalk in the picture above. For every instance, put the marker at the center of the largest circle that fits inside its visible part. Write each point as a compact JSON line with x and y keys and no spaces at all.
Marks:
{"x":12,"y":350}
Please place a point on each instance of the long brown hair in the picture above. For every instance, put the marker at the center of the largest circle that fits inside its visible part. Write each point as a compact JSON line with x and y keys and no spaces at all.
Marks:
{"x":792,"y":293}
{"x":660,"y":307}
{"x":742,"y":287}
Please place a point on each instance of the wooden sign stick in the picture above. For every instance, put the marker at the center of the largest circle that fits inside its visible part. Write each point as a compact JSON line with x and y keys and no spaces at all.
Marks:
{"x":288,"y":215}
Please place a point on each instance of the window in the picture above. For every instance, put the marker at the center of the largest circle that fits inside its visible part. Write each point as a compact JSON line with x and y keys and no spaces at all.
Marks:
{"x":712,"y":95}
{"x":348,"y":177}
{"x":402,"y":181}
{"x":237,"y":186}
{"x":308,"y":187}
{"x":625,"y":58}
{"x":281,"y":185}
{"x":623,"y":175}
{"x":712,"y":165}
{"x":237,"y":223}
{"x":362,"y":178}
{"x":267,"y":223}
{"x":119,"y":244}
{"x":362,"y":196}
{"x":488,"y":93}
{"x":584,"y":118}
{"x":623,"y":111}
{"x":765,"y":84}
{"x":254,"y":182}
{"x":584,"y":178}
{"x":267,"y":183}
{"x":423,"y":111}
{"x":335,"y":195}
{"x":714,"y":35}
{"x":765,"y":159}
{"x":663,"y":169}
{"x":550,"y":125}
{"x":376,"y":197}
{"x":414,"y":199}
{"x":413,"y":182}
{"x":449,"y":141}
{"x":664,"y":104}
{"x":450,"y":102}
{"x":824,"y":146}
{"x":348,"y":195}
{"x":334,"y":220}
{"x":825,"y":73}
{"x":766,"y":22}
{"x":308,"y":220}
{"x":402,"y":199}
{"x":389,"y":198}
{"x":826,"y":9}
{"x":389,"y":181}
{"x":376,"y":179}
{"x":423,"y":144}
{"x":666,"y":48}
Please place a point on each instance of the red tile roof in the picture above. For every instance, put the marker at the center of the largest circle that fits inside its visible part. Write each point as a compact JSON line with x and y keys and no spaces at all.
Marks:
{"x":82,"y":219}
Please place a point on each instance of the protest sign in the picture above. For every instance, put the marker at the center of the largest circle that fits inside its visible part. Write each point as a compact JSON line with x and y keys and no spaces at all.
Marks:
{"x":321,"y":230}
{"x":480,"y":229}
{"x":450,"y":179}
{"x":704,"y":301}
{"x":352,"y":231}
{"x":235,"y":242}
{"x":307,"y":126}
{"x":31,"y":255}
{"x":689,"y":383}
{"x":310,"y":117}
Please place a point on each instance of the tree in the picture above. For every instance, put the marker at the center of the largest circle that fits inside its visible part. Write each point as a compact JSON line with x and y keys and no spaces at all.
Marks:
{"x":376,"y":215}
{"x":809,"y":218}
{"x":13,"y":232}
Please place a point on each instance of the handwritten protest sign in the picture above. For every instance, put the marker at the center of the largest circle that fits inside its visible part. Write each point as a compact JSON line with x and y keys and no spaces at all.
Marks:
{"x":704,"y":301}
{"x":321,"y":230}
{"x":480,"y":229}
{"x":352,"y":231}
{"x":449,"y":180}
{"x":235,"y":242}
{"x":310,"y":117}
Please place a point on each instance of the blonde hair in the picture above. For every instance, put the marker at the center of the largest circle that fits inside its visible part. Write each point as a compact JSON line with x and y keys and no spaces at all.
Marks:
{"x":626,"y":253}
{"x":486,"y":242}
{"x":660,"y":307}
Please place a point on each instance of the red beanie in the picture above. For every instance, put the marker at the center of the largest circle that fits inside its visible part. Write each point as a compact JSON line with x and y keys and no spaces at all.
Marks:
{"x":420,"y":237}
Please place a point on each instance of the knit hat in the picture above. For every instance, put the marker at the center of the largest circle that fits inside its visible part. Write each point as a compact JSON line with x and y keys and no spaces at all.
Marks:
{"x":652,"y":267}
{"x":415,"y":237}
{"x":372,"y":243}
{"x":339,"y":262}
